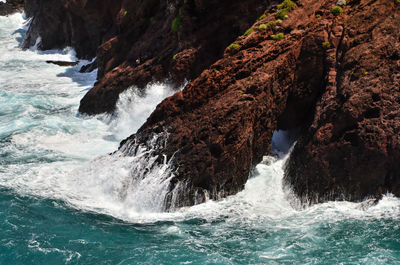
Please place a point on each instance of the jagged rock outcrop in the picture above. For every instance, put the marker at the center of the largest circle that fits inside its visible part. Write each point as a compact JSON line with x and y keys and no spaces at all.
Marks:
{"x":352,"y":148}
{"x":11,"y":6}
{"x":137,"y":42}
{"x":162,"y":40}
{"x":222,"y":123}
{"x":336,"y":77}
{"x":80,"y":24}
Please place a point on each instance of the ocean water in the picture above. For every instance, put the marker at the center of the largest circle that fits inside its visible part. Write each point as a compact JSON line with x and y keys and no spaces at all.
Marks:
{"x":60,"y":193}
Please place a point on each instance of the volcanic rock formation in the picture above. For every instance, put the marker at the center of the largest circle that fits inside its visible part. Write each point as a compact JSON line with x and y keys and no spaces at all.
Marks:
{"x":352,"y":148}
{"x":334,"y":75}
{"x":11,"y":6}
{"x":137,"y":42}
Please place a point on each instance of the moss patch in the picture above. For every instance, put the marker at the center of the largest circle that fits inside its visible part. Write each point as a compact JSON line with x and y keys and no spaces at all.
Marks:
{"x":234,"y":46}
{"x":278,"y":36}
{"x":175,"y":24}
{"x":337,"y":10}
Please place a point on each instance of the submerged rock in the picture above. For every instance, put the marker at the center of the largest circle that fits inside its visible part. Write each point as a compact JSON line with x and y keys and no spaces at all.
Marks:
{"x":62,"y":63}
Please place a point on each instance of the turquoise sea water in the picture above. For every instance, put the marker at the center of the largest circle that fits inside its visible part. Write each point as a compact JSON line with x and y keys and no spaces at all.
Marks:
{"x":60,"y":194}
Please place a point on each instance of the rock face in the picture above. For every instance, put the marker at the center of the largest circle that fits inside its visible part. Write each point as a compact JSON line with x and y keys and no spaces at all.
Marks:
{"x":352,"y":148}
{"x":137,"y":42}
{"x":336,"y":78}
{"x":83,"y":25}
{"x":222,"y":123}
{"x":162,"y":40}
{"x":11,"y":6}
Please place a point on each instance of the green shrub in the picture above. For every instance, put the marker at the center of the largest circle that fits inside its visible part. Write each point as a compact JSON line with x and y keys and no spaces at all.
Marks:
{"x":284,"y":8}
{"x":248,"y":32}
{"x":234,"y":46}
{"x":278,"y":36}
{"x":326,"y":45}
{"x":398,"y":2}
{"x":317,"y":15}
{"x":337,"y":10}
{"x":262,"y":27}
{"x":175,"y":24}
{"x":262,"y":17}
{"x":270,"y":24}
{"x":278,"y":21}
{"x":125,"y":13}
{"x":174,"y":57}
{"x":287,"y":4}
{"x":281,"y":14}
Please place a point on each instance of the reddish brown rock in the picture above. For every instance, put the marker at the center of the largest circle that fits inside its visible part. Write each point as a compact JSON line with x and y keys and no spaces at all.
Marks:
{"x":221,"y":124}
{"x":147,"y":49}
{"x":352,"y":149}
{"x":135,"y":41}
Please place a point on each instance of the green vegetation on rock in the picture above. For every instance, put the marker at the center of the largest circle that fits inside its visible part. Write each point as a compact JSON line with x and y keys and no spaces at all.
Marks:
{"x":278,"y":36}
{"x":326,"y":45}
{"x":284,"y":8}
{"x":248,"y":32}
{"x":337,"y":10}
{"x":262,"y":17}
{"x":175,"y":24}
{"x":262,"y":27}
{"x":234,"y":46}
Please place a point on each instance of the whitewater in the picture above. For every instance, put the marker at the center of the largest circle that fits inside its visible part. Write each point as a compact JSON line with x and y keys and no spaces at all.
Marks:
{"x":63,"y":199}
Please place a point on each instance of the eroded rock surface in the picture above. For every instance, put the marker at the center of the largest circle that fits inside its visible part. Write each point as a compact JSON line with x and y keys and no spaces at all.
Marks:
{"x":11,"y":6}
{"x":137,"y":42}
{"x":222,"y":123}
{"x":352,"y":148}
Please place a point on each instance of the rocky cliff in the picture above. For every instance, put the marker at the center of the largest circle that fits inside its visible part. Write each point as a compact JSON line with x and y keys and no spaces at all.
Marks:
{"x":137,"y":42}
{"x":11,"y":6}
{"x":352,"y":148}
{"x":329,"y":68}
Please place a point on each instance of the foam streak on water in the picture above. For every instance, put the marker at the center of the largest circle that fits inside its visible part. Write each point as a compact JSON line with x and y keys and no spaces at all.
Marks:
{"x":63,"y":200}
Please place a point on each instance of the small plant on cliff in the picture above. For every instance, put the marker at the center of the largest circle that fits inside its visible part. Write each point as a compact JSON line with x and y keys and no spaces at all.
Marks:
{"x":284,"y":8}
{"x":326,"y":45}
{"x":175,"y":24}
{"x":282,"y":14}
{"x":262,"y":17}
{"x":234,"y":46}
{"x":337,"y":10}
{"x":262,"y":27}
{"x":398,"y":2}
{"x":175,"y":56}
{"x":248,"y":32}
{"x":278,"y":36}
{"x":287,"y":4}
{"x":125,"y":13}
{"x":271,"y":24}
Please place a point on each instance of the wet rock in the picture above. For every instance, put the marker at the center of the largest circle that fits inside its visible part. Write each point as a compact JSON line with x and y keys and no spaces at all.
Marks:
{"x":220,"y":126}
{"x":137,"y":42}
{"x":62,"y":63}
{"x":83,"y":25}
{"x":11,"y":6}
{"x":351,"y":151}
